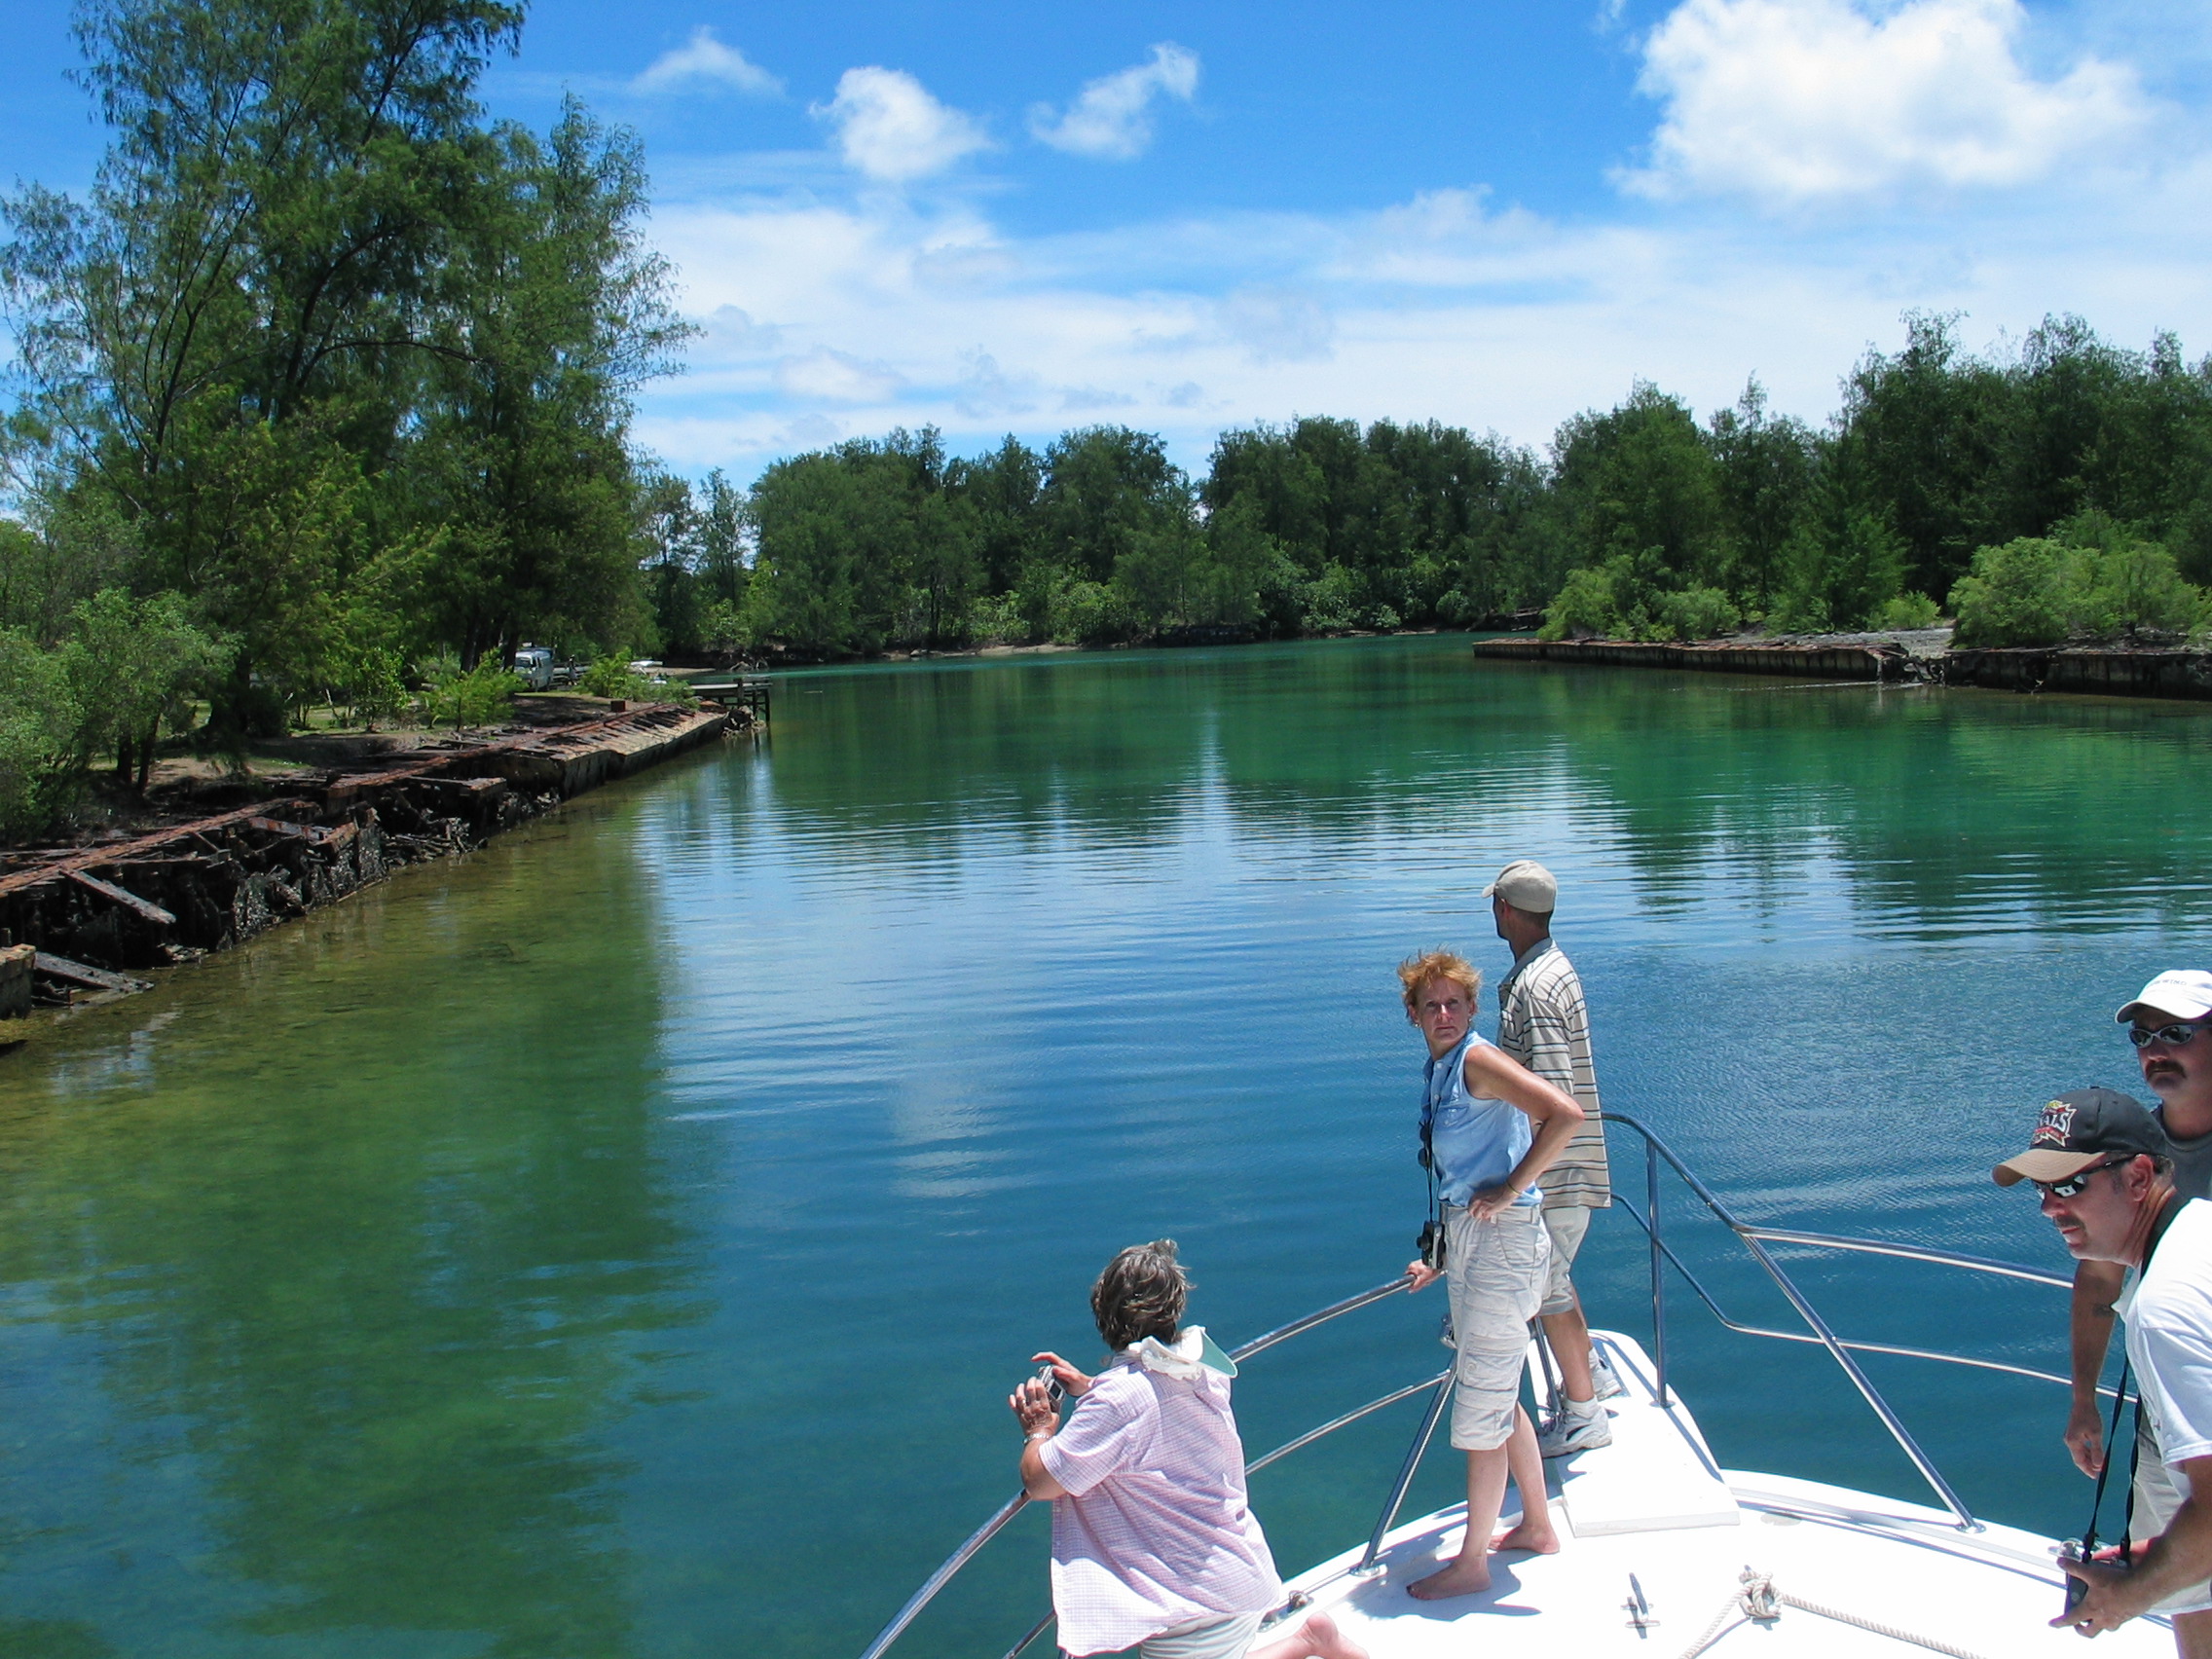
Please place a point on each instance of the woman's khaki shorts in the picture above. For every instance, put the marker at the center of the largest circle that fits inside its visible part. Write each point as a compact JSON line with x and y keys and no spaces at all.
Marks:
{"x":1495,"y":1272}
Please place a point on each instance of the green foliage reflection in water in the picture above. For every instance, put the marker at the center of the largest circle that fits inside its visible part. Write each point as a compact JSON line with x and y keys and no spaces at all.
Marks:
{"x":513,"y":1261}
{"x":381,"y":1341}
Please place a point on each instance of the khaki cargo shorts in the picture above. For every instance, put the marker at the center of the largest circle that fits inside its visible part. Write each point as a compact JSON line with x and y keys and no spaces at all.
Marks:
{"x":1495,"y":1272}
{"x":1568,"y":1224}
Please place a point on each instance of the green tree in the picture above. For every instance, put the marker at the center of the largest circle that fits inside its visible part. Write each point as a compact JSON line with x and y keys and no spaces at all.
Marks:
{"x":328,"y":354}
{"x":2030,"y":591}
{"x":1919,"y":433}
{"x":532,"y":512}
{"x":129,"y":665}
{"x":1767,"y":470}
{"x":227,"y":327}
{"x":840,"y":547}
{"x":1640,"y":478}
{"x":38,"y":725}
{"x":1839,"y":570}
{"x":1003,"y":488}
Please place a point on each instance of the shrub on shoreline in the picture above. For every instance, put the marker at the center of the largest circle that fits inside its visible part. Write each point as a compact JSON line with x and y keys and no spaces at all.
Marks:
{"x":2043,"y":591}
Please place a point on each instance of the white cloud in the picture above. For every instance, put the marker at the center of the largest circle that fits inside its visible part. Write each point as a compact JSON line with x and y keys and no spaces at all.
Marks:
{"x":891,"y":128}
{"x":1798,"y":101}
{"x":704,"y":60}
{"x":1278,"y":325}
{"x":985,"y":391}
{"x":1112,"y":116}
{"x":837,"y":377}
{"x":882,"y":310}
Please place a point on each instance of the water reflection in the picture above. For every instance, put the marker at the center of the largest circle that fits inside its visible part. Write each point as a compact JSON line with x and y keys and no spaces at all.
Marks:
{"x":335,"y":1307}
{"x":1941,"y":813}
{"x":606,"y":1245}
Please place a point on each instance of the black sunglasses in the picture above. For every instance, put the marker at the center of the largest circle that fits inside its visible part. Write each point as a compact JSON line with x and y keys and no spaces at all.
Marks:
{"x":2172,"y":1036}
{"x":2074,"y":1184}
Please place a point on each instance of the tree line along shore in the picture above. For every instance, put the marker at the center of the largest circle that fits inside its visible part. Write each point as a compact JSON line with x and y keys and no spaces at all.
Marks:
{"x":322,"y":401}
{"x":2062,"y":489}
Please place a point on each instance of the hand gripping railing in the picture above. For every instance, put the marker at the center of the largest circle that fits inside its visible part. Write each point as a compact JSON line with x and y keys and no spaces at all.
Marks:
{"x":1013,"y":1505}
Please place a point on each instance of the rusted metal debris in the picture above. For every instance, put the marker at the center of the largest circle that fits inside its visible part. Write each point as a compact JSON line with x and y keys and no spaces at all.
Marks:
{"x":94,"y":915}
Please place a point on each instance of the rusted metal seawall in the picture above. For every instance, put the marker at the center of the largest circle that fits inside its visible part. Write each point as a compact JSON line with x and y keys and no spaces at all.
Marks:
{"x":2125,"y":674}
{"x":91,"y":916}
{"x":1816,"y":662}
{"x":2110,"y":670}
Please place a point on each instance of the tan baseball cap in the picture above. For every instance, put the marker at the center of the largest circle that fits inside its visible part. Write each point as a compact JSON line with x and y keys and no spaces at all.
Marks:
{"x":1525,"y":885}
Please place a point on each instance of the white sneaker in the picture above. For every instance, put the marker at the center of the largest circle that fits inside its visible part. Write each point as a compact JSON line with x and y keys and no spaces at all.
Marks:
{"x":1576,"y":1431}
{"x":1603,"y":1384}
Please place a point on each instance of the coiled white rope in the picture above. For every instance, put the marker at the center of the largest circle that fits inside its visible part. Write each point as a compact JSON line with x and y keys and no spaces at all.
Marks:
{"x":1758,"y":1601}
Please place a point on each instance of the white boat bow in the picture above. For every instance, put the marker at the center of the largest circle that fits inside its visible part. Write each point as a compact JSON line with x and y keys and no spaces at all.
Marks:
{"x":1664,"y":1554}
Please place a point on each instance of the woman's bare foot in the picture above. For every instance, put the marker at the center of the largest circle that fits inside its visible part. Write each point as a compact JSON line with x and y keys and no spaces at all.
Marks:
{"x":1463,"y":1577}
{"x":1535,"y":1534}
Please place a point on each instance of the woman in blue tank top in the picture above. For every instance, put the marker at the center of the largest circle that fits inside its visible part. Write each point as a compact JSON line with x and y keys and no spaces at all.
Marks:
{"x":1490,"y":1128}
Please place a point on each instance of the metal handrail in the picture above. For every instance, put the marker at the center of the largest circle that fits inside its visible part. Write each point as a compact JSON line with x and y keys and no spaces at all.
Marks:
{"x":1911,"y":1252}
{"x":1908,"y":1252}
{"x":1013,"y":1505}
{"x":1755,"y":1239}
{"x":1352,"y":1416}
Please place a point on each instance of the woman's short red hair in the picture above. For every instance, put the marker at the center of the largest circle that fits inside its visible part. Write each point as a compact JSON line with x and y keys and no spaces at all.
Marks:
{"x":1416,"y":972}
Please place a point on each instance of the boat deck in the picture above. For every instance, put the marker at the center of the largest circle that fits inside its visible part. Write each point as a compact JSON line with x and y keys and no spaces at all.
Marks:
{"x":1652,"y":1529}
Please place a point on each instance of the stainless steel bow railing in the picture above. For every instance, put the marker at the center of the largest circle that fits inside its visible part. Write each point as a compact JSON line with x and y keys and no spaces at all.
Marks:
{"x":1754,"y":1239}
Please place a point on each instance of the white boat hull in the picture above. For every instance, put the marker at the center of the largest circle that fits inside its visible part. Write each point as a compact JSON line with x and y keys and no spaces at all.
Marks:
{"x":1651,"y":1518}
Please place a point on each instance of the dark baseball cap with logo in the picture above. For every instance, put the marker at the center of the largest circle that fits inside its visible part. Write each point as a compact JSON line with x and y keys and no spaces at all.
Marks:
{"x":2080,"y":1128}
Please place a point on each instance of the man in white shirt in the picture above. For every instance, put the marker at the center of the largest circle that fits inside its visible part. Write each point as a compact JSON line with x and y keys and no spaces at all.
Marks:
{"x":2104,"y":1173}
{"x":2170,"y":1024}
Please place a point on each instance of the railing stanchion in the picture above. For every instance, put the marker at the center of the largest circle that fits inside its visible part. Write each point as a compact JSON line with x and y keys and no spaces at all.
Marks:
{"x":1658,"y":1271}
{"x":1389,"y":1516}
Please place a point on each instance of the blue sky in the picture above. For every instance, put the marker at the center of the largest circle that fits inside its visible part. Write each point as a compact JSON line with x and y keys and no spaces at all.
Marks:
{"x":1003,"y":218}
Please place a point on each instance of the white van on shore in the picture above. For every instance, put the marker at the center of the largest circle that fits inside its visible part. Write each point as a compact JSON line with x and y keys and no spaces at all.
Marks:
{"x":534,"y":664}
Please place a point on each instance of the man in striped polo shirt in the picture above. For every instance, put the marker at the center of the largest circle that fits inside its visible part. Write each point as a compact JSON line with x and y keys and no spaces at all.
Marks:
{"x":1542,"y":1022}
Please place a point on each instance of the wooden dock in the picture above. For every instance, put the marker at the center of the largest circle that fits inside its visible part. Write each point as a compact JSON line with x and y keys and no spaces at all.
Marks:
{"x":748,"y":693}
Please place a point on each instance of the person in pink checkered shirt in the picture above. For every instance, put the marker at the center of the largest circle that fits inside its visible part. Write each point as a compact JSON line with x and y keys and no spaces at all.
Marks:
{"x":1154,"y":1543}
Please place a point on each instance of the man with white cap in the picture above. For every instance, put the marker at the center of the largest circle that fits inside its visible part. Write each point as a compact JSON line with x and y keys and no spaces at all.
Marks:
{"x":2102,"y":1167}
{"x":1543,"y":1024}
{"x":2170,"y":1024}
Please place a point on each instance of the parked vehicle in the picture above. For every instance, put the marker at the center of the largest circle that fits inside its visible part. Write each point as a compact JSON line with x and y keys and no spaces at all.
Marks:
{"x":534,"y":664}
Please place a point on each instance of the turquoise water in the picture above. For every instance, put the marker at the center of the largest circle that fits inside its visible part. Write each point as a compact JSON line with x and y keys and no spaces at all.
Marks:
{"x":621,"y":1243}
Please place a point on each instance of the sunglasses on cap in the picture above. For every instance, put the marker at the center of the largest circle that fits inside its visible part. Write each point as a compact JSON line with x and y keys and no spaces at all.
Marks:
{"x":2173,"y":1036}
{"x":2074,"y":1184}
